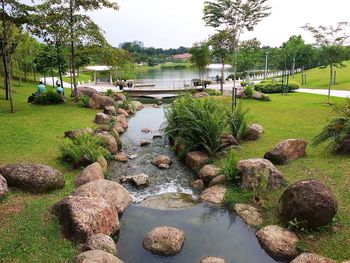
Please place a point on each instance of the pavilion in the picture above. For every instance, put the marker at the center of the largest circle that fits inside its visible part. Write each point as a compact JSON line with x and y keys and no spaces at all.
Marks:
{"x":96,"y":69}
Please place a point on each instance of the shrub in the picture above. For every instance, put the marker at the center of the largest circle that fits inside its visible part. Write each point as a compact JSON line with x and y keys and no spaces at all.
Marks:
{"x":213,"y":92}
{"x":337,"y":129}
{"x":83,"y":150}
{"x":237,"y":122}
{"x":228,"y":166}
{"x":85,"y":101}
{"x":197,"y":123}
{"x":49,"y":98}
{"x":248,"y":92}
{"x":110,"y":93}
{"x":244,"y":83}
{"x":269,"y":87}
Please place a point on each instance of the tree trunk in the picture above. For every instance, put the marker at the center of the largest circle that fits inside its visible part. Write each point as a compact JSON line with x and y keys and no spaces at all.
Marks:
{"x":58,"y":53}
{"x":293,"y":67}
{"x":72,"y":50}
{"x":330,"y":82}
{"x":234,"y":82}
{"x":222,"y":76}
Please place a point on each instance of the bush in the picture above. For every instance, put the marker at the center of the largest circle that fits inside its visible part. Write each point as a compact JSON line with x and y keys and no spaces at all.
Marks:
{"x":269,"y":87}
{"x":85,"y":101}
{"x":244,"y":83}
{"x":248,"y":92}
{"x":110,"y":93}
{"x":83,"y":150}
{"x":196,"y":123}
{"x":237,"y":122}
{"x":228,"y":166}
{"x":337,"y":129}
{"x":213,"y":92}
{"x":49,"y":98}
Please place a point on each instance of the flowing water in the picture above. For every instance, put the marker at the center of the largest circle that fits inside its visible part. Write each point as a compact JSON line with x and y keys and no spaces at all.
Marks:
{"x":210,"y":230}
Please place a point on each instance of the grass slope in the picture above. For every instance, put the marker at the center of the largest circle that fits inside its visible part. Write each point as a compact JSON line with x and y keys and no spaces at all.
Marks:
{"x":318,"y":78}
{"x":28,"y":232}
{"x":302,"y":116}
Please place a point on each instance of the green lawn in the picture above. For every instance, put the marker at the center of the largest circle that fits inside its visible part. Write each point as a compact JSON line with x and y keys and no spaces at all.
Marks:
{"x":29,"y":233}
{"x":83,"y":76}
{"x":303,"y":116}
{"x":318,"y":78}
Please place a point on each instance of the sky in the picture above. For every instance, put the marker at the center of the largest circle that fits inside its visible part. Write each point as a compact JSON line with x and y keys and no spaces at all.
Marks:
{"x":174,"y":23}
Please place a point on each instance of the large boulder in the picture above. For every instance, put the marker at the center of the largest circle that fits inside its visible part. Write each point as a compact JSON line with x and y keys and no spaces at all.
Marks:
{"x":344,"y":146}
{"x":312,"y":258}
{"x":260,"y":96}
{"x":109,"y":141}
{"x":86,"y":91}
{"x":217,"y":180}
{"x":200,"y":95}
{"x":102,"y":118}
{"x":103,"y":162}
{"x":91,"y":173}
{"x":122,"y":112}
{"x":110,"y":110}
{"x":254,"y":132}
{"x":310,"y":202}
{"x":196,"y":160}
{"x":121,"y":120}
{"x":161,"y":161}
{"x":208,"y":173}
{"x":212,"y":260}
{"x":81,"y":217}
{"x":253,"y":170}
{"x":118,"y":128}
{"x":98,"y":101}
{"x":36,"y":178}
{"x":249,"y":214}
{"x":140,"y":180}
{"x":278,"y":242}
{"x":287,"y":150}
{"x":97,"y":256}
{"x":3,"y":187}
{"x":112,"y":192}
{"x":138,"y":105}
{"x":228,"y":140}
{"x":164,"y":241}
{"x":214,"y":194}
{"x":72,"y":134}
{"x":198,"y":185}
{"x":100,"y":242}
{"x":119,"y":96}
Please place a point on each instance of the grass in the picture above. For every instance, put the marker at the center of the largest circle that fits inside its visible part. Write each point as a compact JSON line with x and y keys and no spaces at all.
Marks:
{"x":28,"y":231}
{"x":302,"y":116}
{"x":318,"y":78}
{"x":83,"y":76}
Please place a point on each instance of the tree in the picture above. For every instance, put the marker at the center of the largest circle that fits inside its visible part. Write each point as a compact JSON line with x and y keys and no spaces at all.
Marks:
{"x":13,"y":15}
{"x":235,"y":16}
{"x":200,"y":57}
{"x":221,"y":44}
{"x":81,"y":27}
{"x":250,"y":56}
{"x":331,"y":40}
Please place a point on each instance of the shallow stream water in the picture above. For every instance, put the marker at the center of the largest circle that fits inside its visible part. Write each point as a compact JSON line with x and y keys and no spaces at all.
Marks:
{"x":210,"y":230}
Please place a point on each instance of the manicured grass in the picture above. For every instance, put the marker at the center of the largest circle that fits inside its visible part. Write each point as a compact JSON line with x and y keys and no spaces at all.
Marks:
{"x":28,"y":231}
{"x":83,"y":76}
{"x":318,"y":78}
{"x":302,"y":116}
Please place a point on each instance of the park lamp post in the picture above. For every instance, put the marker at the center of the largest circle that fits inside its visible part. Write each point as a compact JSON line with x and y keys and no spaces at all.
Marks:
{"x":266,"y":64}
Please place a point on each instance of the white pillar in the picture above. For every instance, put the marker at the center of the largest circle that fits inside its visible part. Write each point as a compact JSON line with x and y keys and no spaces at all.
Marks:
{"x":95,"y":77}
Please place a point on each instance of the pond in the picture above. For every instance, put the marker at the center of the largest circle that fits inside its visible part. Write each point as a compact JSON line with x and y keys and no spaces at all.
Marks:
{"x":210,"y":230}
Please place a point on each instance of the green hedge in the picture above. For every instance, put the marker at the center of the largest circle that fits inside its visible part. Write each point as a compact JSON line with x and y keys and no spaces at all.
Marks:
{"x":269,"y":87}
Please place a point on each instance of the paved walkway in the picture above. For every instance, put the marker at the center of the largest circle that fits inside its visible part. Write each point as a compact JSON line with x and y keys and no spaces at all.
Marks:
{"x":334,"y":93}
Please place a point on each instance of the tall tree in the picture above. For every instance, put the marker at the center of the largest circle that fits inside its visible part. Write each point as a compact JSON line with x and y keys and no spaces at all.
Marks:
{"x":250,"y":56}
{"x":12,"y":15}
{"x":235,"y":16}
{"x":81,"y":27}
{"x":200,"y":57}
{"x":221,"y":44}
{"x":331,"y":40}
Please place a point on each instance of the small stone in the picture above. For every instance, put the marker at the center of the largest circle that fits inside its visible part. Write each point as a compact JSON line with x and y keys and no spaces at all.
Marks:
{"x":217,"y":180}
{"x":100,"y":242}
{"x":214,"y":194}
{"x":196,"y":160}
{"x":198,"y":185}
{"x":145,"y":143}
{"x":121,"y":157}
{"x":97,"y":256}
{"x":212,"y":260}
{"x":146,"y":130}
{"x":162,"y":161}
{"x":254,"y":132}
{"x":249,"y":214}
{"x":157,"y":136}
{"x":122,"y":112}
{"x":103,"y":162}
{"x":208,"y":173}
{"x":164,"y":241}
{"x":110,"y":110}
{"x":278,"y":242}
{"x":132,"y":156}
{"x":138,"y":105}
{"x":164,"y":166}
{"x":140,"y":180}
{"x":312,"y":258}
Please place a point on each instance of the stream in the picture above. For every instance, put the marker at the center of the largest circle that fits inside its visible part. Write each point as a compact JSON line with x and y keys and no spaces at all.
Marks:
{"x":210,"y":230}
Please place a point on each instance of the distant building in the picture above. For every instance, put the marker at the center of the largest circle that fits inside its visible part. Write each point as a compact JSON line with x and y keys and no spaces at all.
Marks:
{"x":185,"y":56}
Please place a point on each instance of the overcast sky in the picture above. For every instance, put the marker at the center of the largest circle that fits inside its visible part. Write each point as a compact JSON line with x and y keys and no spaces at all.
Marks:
{"x":174,"y":23}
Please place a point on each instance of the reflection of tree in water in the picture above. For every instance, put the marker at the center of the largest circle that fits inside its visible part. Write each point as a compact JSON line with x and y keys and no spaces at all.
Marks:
{"x":216,"y":213}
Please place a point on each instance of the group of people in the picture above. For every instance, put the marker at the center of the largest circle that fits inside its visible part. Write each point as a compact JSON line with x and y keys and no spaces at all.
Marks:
{"x":42,"y":88}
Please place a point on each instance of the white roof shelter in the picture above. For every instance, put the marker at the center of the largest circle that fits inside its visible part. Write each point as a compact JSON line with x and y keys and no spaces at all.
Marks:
{"x":218,"y":66}
{"x":96,"y":69}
